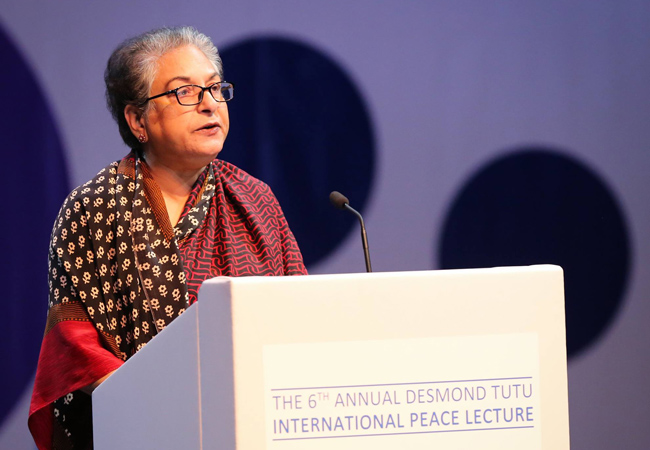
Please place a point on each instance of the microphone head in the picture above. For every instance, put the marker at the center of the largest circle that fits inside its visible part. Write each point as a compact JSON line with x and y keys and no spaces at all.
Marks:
{"x":339,"y":200}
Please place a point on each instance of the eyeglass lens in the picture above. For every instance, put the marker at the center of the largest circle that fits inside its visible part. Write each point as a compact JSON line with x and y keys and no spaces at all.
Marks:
{"x":193,"y":95}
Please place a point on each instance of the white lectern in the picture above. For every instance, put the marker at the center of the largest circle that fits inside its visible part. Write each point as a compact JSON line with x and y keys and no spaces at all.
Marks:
{"x":450,"y":359}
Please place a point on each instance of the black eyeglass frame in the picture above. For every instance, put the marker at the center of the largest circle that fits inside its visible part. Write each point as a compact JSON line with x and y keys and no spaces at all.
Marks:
{"x":203,"y":89}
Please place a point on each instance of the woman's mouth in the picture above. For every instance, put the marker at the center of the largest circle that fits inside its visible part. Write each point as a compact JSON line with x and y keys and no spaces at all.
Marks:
{"x":209,"y":128}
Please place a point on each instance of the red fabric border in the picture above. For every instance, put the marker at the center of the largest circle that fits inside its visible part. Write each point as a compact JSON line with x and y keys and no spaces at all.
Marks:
{"x":72,"y":357}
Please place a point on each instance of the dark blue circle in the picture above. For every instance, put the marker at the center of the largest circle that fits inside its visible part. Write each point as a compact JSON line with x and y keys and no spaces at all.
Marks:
{"x":33,"y":183}
{"x":299,"y":123}
{"x":539,"y":206}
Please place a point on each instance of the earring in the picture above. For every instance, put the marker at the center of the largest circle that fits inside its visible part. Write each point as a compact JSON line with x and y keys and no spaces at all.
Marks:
{"x":142,"y":139}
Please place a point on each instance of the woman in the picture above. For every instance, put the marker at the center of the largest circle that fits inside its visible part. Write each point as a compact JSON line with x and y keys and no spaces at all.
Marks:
{"x":131,"y":247}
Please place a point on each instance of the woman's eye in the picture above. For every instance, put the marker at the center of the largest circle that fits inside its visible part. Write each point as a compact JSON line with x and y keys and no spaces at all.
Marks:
{"x":184,"y":91}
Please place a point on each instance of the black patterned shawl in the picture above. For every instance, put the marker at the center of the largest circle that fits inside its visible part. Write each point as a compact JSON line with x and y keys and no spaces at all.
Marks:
{"x":120,"y":273}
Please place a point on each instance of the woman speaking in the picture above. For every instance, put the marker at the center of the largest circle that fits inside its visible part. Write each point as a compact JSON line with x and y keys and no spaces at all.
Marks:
{"x":131,"y":247}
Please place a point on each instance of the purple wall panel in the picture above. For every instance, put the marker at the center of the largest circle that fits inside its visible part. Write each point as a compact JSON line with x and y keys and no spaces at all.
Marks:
{"x":449,"y":88}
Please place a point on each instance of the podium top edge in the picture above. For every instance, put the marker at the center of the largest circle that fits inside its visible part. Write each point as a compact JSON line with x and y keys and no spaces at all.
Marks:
{"x":539,"y":268}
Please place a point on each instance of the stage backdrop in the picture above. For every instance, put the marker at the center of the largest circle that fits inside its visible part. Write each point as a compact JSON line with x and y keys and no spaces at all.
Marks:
{"x":469,"y":134}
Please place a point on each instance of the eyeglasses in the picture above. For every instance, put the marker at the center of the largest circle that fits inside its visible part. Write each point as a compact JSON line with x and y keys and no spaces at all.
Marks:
{"x":192,"y":94}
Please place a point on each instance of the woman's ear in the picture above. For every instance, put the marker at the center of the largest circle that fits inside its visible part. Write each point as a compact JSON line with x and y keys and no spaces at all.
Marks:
{"x":135,"y":118}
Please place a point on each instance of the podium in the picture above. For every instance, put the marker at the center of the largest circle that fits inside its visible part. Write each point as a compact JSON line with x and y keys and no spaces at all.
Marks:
{"x":449,"y":359}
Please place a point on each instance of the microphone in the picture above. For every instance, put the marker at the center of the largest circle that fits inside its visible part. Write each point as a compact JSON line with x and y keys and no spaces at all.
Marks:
{"x":340,"y":201}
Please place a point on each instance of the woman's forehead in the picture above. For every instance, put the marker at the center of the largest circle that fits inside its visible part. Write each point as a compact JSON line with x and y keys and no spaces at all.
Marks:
{"x":186,"y":63}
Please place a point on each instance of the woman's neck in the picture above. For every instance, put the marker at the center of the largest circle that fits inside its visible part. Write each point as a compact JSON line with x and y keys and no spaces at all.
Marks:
{"x":175,"y":185}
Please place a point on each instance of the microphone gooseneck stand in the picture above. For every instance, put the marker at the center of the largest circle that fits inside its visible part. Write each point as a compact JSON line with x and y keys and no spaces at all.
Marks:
{"x":340,"y":201}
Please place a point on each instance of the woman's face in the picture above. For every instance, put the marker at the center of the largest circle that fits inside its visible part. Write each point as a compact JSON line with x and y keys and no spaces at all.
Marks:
{"x":185,"y":137}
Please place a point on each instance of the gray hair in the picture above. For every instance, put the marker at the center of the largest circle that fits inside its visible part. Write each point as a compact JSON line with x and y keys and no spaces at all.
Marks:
{"x":132,"y":68}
